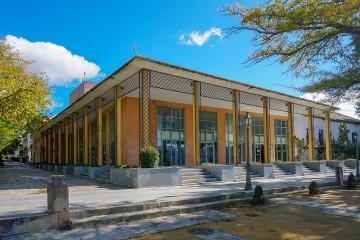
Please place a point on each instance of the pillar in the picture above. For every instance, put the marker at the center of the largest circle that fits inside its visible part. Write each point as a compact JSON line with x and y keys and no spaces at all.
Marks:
{"x":327,"y":135}
{"x":145,"y":108}
{"x":49,"y":146}
{"x":59,"y":143}
{"x":290,"y":127}
{"x":53,"y":144}
{"x":66,"y":122}
{"x":311,"y":133}
{"x":236,"y":124}
{"x":86,"y":135}
{"x":196,"y":121}
{"x":267,"y":130}
{"x":117,"y":130}
{"x":99,"y":130}
{"x":74,"y":134}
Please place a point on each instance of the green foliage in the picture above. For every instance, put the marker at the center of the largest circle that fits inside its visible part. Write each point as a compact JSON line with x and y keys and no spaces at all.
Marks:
{"x":313,"y":188}
{"x":351,"y":182}
{"x":24,"y":96}
{"x":301,"y":147}
{"x":149,"y":157}
{"x":343,"y":138}
{"x":317,"y":39}
{"x":258,"y":198}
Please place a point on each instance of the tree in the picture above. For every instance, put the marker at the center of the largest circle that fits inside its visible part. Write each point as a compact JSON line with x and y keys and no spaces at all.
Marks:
{"x":343,"y":138}
{"x":318,"y":39}
{"x":24,"y":96}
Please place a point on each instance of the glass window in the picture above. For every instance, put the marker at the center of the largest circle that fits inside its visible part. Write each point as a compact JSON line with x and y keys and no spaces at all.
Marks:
{"x":229,"y":138}
{"x":208,"y":137}
{"x":281,"y":140}
{"x":170,"y":136}
{"x":112,"y":137}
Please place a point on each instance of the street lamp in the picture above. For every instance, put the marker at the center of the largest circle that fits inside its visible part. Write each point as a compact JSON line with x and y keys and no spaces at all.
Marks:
{"x":247,"y":123}
{"x":356,"y":137}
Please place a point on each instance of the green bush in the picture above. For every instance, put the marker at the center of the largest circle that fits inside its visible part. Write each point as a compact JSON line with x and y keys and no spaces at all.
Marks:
{"x":313,"y":188}
{"x":149,"y":157}
{"x":258,"y":198}
{"x":351,"y":182}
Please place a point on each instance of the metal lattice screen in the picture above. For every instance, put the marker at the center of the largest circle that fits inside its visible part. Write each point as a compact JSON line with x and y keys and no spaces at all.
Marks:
{"x":170,"y":82}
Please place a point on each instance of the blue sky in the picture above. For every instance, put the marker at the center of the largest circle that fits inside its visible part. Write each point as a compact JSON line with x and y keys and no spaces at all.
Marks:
{"x":103,"y":33}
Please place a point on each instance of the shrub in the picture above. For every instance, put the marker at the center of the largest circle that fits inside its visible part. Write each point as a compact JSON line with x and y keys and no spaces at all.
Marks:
{"x":351,"y":182}
{"x":313,"y":188}
{"x":149,"y":157}
{"x":258,"y":197}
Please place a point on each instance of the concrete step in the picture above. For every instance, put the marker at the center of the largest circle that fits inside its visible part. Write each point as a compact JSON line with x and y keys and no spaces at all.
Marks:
{"x":196,"y":177}
{"x":98,"y":220}
{"x":104,"y":176}
{"x":194,"y":173}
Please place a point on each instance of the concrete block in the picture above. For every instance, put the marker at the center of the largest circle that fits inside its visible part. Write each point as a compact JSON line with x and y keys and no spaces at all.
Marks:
{"x":319,"y":166}
{"x":264,"y":170}
{"x":225,"y":173}
{"x":293,"y":167}
{"x":94,"y":172}
{"x":145,"y":177}
{"x":339,"y":175}
{"x":335,"y":163}
{"x":79,"y":170}
{"x":57,"y":195}
{"x":350,"y":163}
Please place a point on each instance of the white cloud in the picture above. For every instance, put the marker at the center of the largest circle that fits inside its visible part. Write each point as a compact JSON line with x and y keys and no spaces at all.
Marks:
{"x":198,"y":38}
{"x":346,"y":108}
{"x":59,"y":64}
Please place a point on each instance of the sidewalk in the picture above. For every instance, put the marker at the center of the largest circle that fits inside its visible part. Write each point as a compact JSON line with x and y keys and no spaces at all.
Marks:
{"x":22,"y":190}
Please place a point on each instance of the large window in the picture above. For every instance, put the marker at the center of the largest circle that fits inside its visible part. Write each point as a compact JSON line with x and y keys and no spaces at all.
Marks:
{"x":229,"y":139}
{"x":103,"y":140}
{"x":208,"y":137}
{"x":258,"y":139}
{"x":170,"y":136}
{"x":93,"y":145}
{"x":281,"y":140}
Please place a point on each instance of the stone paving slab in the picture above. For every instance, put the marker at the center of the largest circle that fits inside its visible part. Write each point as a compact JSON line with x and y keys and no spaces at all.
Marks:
{"x":218,"y":235}
{"x":132,"y":229}
{"x":22,"y":190}
{"x":326,"y":208}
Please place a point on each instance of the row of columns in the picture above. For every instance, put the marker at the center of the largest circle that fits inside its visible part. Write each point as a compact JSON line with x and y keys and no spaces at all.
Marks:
{"x":48,"y":137}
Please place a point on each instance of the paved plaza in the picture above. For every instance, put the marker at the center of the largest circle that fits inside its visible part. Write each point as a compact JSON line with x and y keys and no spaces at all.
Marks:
{"x":23,"y":190}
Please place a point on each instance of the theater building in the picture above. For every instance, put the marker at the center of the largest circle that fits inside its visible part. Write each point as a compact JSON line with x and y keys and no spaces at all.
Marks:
{"x":189,"y":116}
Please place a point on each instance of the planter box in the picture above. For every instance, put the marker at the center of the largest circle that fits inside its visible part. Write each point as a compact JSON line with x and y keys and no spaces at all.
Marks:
{"x":293,"y":167}
{"x":145,"y":177}
{"x":79,"y":170}
{"x":319,"y":166}
{"x":264,"y":170}
{"x":350,"y":163}
{"x":225,"y":173}
{"x":68,"y":169}
{"x":335,"y":163}
{"x":94,"y":172}
{"x":59,"y":168}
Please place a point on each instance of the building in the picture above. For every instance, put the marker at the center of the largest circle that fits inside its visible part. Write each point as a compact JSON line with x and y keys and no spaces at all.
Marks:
{"x":189,"y":116}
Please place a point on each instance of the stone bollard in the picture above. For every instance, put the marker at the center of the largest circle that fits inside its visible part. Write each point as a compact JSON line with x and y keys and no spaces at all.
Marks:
{"x":58,"y":195}
{"x":339,"y":175}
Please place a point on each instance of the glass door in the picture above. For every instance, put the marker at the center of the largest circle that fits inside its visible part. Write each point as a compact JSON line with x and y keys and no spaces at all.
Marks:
{"x":208,"y":137}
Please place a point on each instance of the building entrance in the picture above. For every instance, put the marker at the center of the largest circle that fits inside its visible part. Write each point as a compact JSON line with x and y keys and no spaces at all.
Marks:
{"x":259,"y":153}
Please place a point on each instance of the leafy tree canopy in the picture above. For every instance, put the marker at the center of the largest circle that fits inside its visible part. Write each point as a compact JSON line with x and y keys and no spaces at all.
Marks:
{"x":24,"y":96}
{"x":318,"y":39}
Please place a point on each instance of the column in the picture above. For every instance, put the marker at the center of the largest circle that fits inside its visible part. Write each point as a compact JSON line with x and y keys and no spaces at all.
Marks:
{"x":236,"y":124}
{"x":49,"y":154}
{"x":74,"y":133}
{"x":86,"y":135}
{"x":196,"y":121}
{"x":99,"y":129}
{"x":290,"y":127}
{"x":117,"y":98}
{"x":327,"y":135}
{"x":145,"y":108}
{"x":267,"y":129}
{"x":60,"y":161}
{"x":53,"y":144}
{"x":311,"y":133}
{"x":66,"y":140}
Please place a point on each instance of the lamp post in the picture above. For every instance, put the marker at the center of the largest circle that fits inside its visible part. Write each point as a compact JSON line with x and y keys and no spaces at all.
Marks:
{"x":356,"y":136}
{"x":247,"y":123}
